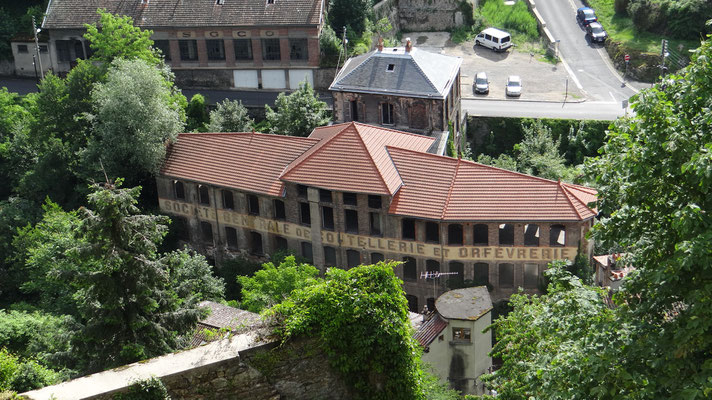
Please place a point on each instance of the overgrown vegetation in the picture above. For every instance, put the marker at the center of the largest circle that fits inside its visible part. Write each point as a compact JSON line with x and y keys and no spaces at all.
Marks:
{"x":298,"y":113}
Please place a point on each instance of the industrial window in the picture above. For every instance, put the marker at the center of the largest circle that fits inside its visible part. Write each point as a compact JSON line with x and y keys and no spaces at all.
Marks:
{"x":351,"y":219}
{"x":180,"y":227}
{"x":280,"y":243}
{"x":456,"y":280}
{"x":506,"y":275}
{"x":203,"y":195}
{"x":350,"y":199}
{"x":216,"y":49}
{"x":481,"y":274}
{"x":454,"y":235}
{"x":410,"y":269}
{"x":354,"y":110}
{"x":206,"y":232}
{"x":63,"y":53}
{"x":270,"y":1}
{"x":298,"y":49}
{"x":375,"y":223}
{"x":270,"y":50}
{"x":557,"y":235}
{"x":164,"y":47}
{"x":412,"y":303}
{"x":432,"y":232}
{"x":307,"y":251}
{"x":374,"y":201}
{"x":353,"y":258}
{"x":506,"y":234}
{"x":279,"y":211}
{"x":256,"y":243}
{"x":461,"y":335}
{"x":243,"y":49}
{"x":22,"y":48}
{"x":188,"y":50}
{"x":302,"y":191}
{"x":408,"y":228}
{"x":432,"y":266}
{"x":327,"y":217}
{"x":324,"y":196}
{"x":231,"y":237}
{"x":531,"y":235}
{"x":387,"y":117}
{"x":531,"y":276}
{"x":179,"y":190}
{"x":253,"y":204}
{"x":480,"y":235}
{"x":304,"y":214}
{"x":228,"y":200}
{"x":377,"y":257}
{"x":329,"y":256}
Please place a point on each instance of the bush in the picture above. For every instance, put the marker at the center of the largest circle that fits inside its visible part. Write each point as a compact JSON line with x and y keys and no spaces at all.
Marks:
{"x":146,"y":389}
{"x":22,"y":376}
{"x":230,"y":269}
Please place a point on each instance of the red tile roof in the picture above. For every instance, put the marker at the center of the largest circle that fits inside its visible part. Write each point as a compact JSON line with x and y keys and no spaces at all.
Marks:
{"x":430,"y":329}
{"x":459,"y":190}
{"x":247,"y":161}
{"x":352,"y":157}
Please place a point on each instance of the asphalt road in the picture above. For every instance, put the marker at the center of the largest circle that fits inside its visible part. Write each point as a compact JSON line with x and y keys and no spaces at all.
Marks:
{"x":591,"y":110}
{"x":587,"y":63}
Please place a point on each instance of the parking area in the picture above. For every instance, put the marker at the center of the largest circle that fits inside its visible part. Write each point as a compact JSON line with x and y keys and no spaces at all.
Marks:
{"x":541,"y":81}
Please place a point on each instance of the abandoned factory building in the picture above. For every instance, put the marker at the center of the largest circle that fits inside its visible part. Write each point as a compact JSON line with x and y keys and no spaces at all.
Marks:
{"x":249,"y":44}
{"x":351,"y":194}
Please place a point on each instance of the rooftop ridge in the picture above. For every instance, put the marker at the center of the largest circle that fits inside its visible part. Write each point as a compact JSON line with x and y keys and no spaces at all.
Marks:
{"x":568,"y":197}
{"x":370,"y":156}
{"x":417,"y":65}
{"x":449,"y":191}
{"x":390,"y":130}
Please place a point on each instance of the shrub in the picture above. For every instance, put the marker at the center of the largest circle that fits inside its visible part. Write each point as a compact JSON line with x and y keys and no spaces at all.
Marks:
{"x":146,"y":389}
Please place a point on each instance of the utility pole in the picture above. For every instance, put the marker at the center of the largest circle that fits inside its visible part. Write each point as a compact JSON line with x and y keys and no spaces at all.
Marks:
{"x":663,"y":53}
{"x":37,"y":47}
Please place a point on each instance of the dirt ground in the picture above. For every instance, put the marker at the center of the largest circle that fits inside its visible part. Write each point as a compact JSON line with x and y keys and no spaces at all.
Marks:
{"x":541,"y":80}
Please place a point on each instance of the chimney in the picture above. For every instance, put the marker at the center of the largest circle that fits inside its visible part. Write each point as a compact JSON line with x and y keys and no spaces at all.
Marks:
{"x":380,"y":44}
{"x":408,"y":45}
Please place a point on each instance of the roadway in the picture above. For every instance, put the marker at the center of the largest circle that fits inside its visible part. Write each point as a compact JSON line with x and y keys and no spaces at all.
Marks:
{"x":590,"y":110}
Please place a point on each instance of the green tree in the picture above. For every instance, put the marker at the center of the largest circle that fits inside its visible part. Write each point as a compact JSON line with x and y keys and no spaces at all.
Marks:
{"x":504,"y":161}
{"x":352,"y":14}
{"x":272,"y":284}
{"x":196,"y":114}
{"x":538,"y":153}
{"x":128,"y":308}
{"x":298,"y":113}
{"x":21,"y":376}
{"x":191,"y":277}
{"x":361,"y":317}
{"x":229,"y":116}
{"x":135,"y":115}
{"x":116,"y":37}
{"x":654,"y":179}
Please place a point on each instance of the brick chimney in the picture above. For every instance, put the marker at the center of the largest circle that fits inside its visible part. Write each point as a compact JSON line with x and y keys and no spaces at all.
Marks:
{"x":408,"y":45}
{"x":380,"y":44}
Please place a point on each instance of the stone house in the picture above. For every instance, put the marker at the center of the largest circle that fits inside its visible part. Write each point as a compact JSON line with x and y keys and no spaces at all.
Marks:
{"x":403,"y":88}
{"x":453,"y":341}
{"x":246,"y":44}
{"x":352,"y":193}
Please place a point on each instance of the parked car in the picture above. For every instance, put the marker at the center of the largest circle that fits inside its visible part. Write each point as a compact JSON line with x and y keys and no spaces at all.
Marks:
{"x":481,"y":83}
{"x":514,"y":86}
{"x":585,"y":15}
{"x":595,"y":31}
{"x":495,"y":39}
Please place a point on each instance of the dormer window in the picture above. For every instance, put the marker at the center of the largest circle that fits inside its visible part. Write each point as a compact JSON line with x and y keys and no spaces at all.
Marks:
{"x":391,"y":67}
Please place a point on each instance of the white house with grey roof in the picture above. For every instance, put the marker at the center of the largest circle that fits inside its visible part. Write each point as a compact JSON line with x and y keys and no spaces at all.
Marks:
{"x":405,"y":88}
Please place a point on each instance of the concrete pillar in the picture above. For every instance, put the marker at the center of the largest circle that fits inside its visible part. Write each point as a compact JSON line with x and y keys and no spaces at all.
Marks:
{"x":229,"y":52}
{"x":202,"y":52}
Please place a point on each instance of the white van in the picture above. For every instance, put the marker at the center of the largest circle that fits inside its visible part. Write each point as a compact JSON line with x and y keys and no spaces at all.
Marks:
{"x":495,"y":39}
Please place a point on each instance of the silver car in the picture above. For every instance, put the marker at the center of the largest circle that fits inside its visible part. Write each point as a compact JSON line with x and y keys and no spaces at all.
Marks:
{"x":514,"y":86}
{"x":481,"y":83}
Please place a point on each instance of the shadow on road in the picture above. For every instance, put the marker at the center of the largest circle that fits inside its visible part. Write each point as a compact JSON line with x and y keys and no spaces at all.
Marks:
{"x":490,"y":54}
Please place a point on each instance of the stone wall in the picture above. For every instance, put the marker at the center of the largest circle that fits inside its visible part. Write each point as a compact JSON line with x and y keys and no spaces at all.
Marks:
{"x":431,"y":15}
{"x":7,"y":68}
{"x":388,"y":9}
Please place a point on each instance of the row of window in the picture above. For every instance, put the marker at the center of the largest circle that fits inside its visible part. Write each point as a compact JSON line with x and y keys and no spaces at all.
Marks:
{"x":271,"y":51}
{"x":22,"y":48}
{"x":349,"y":198}
{"x":480,"y":234}
{"x":355,"y":111}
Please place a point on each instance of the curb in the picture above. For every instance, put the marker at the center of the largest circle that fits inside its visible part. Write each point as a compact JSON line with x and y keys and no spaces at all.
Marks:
{"x":526,"y":100}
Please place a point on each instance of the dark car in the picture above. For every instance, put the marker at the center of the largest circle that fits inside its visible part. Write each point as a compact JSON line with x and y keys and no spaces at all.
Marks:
{"x":585,"y":15}
{"x":595,"y":31}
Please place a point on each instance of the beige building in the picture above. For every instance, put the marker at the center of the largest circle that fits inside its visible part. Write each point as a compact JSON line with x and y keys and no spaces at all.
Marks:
{"x":246,"y":44}
{"x":24,"y":52}
{"x":453,"y":341}
{"x":351,"y":194}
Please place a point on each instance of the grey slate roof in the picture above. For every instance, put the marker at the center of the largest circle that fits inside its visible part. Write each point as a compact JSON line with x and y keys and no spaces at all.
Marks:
{"x":68,"y":14}
{"x":417,"y":73}
{"x":468,"y":303}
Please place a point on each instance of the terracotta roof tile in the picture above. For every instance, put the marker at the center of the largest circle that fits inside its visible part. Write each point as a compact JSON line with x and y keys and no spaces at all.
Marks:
{"x":64,"y":14}
{"x":244,"y":161}
{"x":352,"y":157}
{"x":430,"y":329}
{"x":480,"y":192}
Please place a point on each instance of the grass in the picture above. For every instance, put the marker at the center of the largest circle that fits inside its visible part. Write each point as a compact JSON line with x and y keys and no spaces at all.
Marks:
{"x":620,"y":28}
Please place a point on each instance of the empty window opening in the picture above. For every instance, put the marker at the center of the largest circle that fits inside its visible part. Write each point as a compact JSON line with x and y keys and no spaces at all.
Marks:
{"x":432,"y":266}
{"x":557,"y":235}
{"x":374,"y":201}
{"x":454,"y":235}
{"x":480,"y":235}
{"x":279,"y":211}
{"x":228,"y":200}
{"x":329,"y":256}
{"x":179,"y":190}
{"x":327,"y":217}
{"x":432,"y":232}
{"x":253,"y":204}
{"x":351,"y":219}
{"x":307,"y":251}
{"x":506,"y":234}
{"x":408,"y":227}
{"x":531,"y":235}
{"x":350,"y":199}
{"x":457,"y":280}
{"x":302,"y":191}
{"x":325,"y":196}
{"x":481,"y":274}
{"x":256,"y":243}
{"x":410,"y":269}
{"x":375,"y":223}
{"x":354,"y":110}
{"x":231,"y":237}
{"x":387,"y":114}
{"x":412,"y":303}
{"x":206,"y":232}
{"x":304,"y":214}
{"x":203,"y":195}
{"x":280,"y":243}
{"x":353,"y":258}
{"x":377,"y":257}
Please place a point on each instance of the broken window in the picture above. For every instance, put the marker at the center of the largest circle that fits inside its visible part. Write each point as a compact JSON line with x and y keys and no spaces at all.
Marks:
{"x":454,"y":235}
{"x":327,"y":217}
{"x":188,"y":50}
{"x":206,"y":232}
{"x":461,"y":335}
{"x":279,"y":211}
{"x":203,"y":195}
{"x":480,"y":235}
{"x":179,"y":190}
{"x":228,"y":200}
{"x":408,"y":228}
{"x":432,"y":232}
{"x":216,"y":49}
{"x":253,"y":204}
{"x":531,"y":235}
{"x":410,"y":269}
{"x":506,"y":234}
{"x":231,"y":237}
{"x":557,"y":235}
{"x":298,"y":49}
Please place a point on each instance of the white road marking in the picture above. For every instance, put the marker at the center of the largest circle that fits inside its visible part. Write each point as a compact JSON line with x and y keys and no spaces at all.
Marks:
{"x":571,"y":73}
{"x":573,"y":6}
{"x":612,"y":96}
{"x":579,"y":70}
{"x":609,"y":64}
